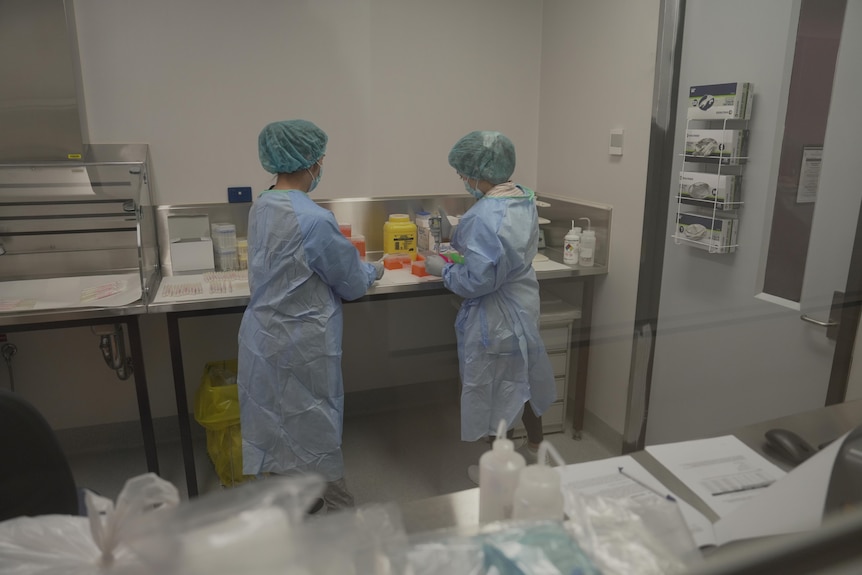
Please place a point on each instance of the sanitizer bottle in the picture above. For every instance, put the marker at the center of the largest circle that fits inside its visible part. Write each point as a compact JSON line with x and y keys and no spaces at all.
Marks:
{"x":572,"y":245}
{"x":588,"y":246}
{"x":538,"y":495}
{"x":498,"y":477}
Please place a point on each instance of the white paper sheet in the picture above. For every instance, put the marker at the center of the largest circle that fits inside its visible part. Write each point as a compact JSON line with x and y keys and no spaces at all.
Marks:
{"x":549,"y":266}
{"x":722,"y":471}
{"x":210,"y":285}
{"x":793,"y":503}
{"x":403,"y":277}
{"x":198,"y":287}
{"x":71,"y":292}
{"x":604,"y":479}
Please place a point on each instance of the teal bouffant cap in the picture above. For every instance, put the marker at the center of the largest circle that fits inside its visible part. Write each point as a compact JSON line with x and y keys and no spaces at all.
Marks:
{"x":289,"y":146}
{"x":484,"y":155}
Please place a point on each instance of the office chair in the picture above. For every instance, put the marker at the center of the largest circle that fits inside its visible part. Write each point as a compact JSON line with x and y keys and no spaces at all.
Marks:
{"x":35,"y":477}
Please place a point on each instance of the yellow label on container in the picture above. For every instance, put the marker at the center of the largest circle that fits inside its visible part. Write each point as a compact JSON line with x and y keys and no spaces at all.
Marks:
{"x":74,"y":156}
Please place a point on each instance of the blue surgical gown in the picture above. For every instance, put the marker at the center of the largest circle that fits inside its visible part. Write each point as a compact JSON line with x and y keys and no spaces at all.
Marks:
{"x":502,"y":359}
{"x":291,"y":393}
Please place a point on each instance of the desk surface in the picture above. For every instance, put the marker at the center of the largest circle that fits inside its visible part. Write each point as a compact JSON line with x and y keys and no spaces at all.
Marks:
{"x":382,"y":291}
{"x":461,"y":509}
{"x":377,"y":291}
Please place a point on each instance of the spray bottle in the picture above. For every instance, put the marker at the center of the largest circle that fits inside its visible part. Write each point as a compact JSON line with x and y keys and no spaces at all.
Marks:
{"x":538,"y":495}
{"x":498,"y":477}
{"x":572,"y":245}
{"x":588,"y":245}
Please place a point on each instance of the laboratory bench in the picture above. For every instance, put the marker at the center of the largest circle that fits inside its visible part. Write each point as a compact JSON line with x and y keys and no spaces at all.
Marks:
{"x":575,"y":347}
{"x":105,"y":224}
{"x":78,"y":248}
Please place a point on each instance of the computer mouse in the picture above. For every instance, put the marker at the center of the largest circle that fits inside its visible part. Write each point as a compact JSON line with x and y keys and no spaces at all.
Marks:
{"x":787,"y":445}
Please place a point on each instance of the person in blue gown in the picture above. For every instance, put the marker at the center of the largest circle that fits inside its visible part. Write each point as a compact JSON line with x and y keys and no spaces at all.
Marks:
{"x":505,"y":370}
{"x":300,"y":268}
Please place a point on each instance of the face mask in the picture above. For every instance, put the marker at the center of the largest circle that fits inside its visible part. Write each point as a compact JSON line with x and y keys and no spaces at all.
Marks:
{"x":476,"y":193}
{"x":315,"y":181}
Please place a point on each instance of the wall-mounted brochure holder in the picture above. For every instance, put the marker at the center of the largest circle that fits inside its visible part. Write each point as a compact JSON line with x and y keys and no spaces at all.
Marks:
{"x":710,"y":185}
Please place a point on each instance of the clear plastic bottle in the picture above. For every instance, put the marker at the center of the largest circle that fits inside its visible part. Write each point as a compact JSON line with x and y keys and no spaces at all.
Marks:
{"x":498,"y":478}
{"x":572,"y":245}
{"x":588,"y":248}
{"x":538,"y":495}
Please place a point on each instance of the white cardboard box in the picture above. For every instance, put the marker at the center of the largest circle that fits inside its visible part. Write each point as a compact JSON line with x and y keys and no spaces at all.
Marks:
{"x":725,"y":146}
{"x":703,"y":189}
{"x":192,"y":255}
{"x":717,"y":235}
{"x":732,"y":101}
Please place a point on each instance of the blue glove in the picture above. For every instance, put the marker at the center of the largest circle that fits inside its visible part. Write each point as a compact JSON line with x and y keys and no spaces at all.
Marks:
{"x":378,"y":267}
{"x":434,"y":265}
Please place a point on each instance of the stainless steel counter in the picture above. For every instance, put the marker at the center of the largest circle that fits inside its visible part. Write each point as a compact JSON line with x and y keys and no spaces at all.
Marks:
{"x":174,"y":311}
{"x":381,"y":292}
{"x":85,"y":314}
{"x":367,"y":215}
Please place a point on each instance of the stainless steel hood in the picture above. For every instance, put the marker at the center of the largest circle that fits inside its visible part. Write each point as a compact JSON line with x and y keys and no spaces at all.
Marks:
{"x":41,"y":103}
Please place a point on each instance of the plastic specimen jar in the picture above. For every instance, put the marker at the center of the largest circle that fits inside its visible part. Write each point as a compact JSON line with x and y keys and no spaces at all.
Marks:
{"x":359,"y":243}
{"x":397,"y":261}
{"x":399,"y":235}
{"x":346,"y":229}
{"x":418,"y":269}
{"x":242,"y":253}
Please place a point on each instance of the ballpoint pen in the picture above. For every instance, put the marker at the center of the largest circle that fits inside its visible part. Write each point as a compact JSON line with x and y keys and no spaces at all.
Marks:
{"x":667,"y":496}
{"x":744,"y":488}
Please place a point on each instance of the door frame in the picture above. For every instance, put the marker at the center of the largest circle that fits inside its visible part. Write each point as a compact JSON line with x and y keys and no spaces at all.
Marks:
{"x":851,"y":310}
{"x":653,"y":240}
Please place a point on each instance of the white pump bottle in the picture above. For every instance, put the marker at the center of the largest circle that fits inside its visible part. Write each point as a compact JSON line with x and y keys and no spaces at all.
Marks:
{"x":498,"y":477}
{"x":538,"y":495}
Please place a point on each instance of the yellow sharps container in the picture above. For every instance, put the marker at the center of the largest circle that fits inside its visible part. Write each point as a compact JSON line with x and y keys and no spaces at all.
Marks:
{"x":399,"y":235}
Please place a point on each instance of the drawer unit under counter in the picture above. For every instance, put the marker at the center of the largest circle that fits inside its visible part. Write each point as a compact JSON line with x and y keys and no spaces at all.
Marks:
{"x":555,"y":328}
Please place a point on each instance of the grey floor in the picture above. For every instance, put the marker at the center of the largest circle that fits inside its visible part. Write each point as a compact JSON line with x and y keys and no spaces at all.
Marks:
{"x":399,"y":456}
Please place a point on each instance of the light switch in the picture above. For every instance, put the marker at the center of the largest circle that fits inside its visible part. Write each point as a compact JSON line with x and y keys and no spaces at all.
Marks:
{"x":616,"y":147}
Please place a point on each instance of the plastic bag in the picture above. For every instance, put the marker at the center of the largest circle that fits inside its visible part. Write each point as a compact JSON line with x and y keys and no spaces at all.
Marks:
{"x":622,"y":536}
{"x":368,"y":540}
{"x":217,"y":410}
{"x":262,"y":528}
{"x":64,"y":544}
{"x":503,"y":548}
{"x":254,"y":528}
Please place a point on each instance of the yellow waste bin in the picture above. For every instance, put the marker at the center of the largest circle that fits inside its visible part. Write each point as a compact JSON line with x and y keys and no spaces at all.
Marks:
{"x":217,"y":410}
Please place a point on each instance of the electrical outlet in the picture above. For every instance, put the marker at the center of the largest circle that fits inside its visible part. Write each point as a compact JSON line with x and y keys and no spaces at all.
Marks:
{"x":238,"y":195}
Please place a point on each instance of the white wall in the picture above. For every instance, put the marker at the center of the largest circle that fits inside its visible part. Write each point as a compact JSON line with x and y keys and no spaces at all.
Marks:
{"x":393,"y":82}
{"x":598,"y":62}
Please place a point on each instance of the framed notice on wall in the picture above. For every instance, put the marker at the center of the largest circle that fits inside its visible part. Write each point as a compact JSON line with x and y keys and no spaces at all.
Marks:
{"x":809,"y":174}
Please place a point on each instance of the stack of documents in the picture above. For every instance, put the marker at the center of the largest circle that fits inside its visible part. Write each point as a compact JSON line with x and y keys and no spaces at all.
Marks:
{"x":750,"y":496}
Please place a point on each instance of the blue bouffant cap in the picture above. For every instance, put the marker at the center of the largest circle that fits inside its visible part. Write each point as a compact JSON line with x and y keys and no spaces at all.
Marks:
{"x":484,"y":155}
{"x":292,"y":145}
